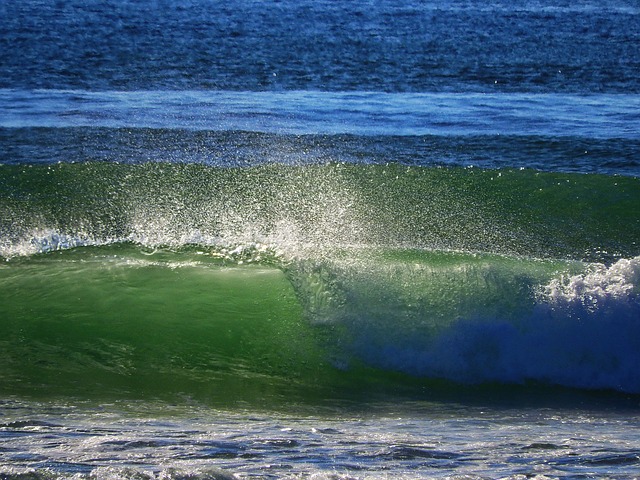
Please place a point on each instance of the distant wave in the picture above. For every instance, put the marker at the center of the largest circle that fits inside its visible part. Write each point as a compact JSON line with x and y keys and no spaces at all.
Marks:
{"x":313,"y":112}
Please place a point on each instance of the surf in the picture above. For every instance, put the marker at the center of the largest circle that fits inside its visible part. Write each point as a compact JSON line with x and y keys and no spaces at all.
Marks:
{"x":268,"y":283}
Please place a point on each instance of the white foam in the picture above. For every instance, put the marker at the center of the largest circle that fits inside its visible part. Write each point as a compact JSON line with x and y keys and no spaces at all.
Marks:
{"x":47,"y":240}
{"x":598,"y":286}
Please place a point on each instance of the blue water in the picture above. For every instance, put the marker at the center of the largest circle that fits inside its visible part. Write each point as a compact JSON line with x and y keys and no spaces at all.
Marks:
{"x":319,"y":239}
{"x":595,"y":116}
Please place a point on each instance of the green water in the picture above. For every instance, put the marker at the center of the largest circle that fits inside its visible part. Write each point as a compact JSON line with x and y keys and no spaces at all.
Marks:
{"x":119,"y":321}
{"x":94,"y":322}
{"x":299,"y":284}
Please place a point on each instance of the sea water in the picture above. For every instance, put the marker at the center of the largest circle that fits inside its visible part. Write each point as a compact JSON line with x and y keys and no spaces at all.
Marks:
{"x":319,"y":239}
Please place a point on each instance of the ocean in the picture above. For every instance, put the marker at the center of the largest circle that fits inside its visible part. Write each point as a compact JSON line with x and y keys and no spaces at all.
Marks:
{"x":319,"y":239}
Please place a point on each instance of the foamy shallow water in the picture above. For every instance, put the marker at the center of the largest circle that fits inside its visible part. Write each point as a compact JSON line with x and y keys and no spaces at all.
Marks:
{"x":417,"y":440}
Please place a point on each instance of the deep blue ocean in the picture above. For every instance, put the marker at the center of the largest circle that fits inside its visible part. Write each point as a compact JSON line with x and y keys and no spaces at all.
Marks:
{"x":319,"y":239}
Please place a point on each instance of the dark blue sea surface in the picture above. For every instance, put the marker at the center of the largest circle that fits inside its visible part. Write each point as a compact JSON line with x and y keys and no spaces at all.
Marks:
{"x":319,"y":239}
{"x":391,"y":46}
